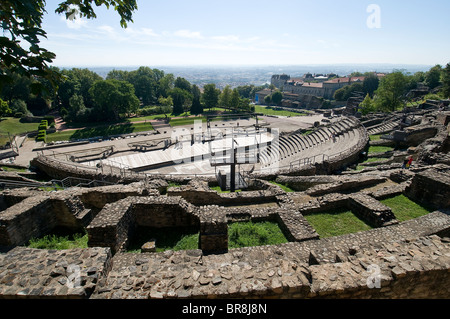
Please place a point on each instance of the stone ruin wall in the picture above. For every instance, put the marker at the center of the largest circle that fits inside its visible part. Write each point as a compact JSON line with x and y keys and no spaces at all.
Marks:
{"x":413,"y":257}
{"x":307,"y":267}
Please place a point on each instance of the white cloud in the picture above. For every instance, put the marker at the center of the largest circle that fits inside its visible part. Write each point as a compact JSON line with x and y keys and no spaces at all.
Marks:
{"x":188,"y":34}
{"x":226,"y":38}
{"x":141,"y":32}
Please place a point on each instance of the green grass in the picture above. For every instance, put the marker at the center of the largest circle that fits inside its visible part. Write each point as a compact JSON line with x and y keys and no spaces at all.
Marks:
{"x":405,"y":209}
{"x":12,"y":169}
{"x":60,"y":242}
{"x":99,"y":131}
{"x":186,"y":121}
{"x":219,"y":190}
{"x":380,"y":149}
{"x":254,"y":234}
{"x":276,"y":112}
{"x":337,"y":223}
{"x":284,"y":187}
{"x":375,"y":137}
{"x":13,"y":126}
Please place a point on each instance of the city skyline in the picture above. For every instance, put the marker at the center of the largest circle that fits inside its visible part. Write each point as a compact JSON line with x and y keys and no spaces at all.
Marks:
{"x":254,"y":33}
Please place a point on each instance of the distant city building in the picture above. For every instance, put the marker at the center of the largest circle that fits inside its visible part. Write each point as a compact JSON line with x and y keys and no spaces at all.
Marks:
{"x":318,"y":85}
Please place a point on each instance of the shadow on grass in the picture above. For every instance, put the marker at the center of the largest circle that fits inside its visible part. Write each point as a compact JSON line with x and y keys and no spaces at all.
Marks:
{"x":174,"y":238}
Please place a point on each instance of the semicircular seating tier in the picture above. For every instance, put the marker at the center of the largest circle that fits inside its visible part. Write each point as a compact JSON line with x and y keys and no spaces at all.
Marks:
{"x":297,"y":150}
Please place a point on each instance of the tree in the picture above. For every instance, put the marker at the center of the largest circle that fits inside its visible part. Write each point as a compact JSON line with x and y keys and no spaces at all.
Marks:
{"x":210,"y":96}
{"x":77,"y":108}
{"x":196,"y":107}
{"x":181,"y":100}
{"x":113,"y":98}
{"x":433,"y":77}
{"x":225,"y":97}
{"x":183,"y":84}
{"x":389,"y":93}
{"x":144,"y":82}
{"x":370,"y":84}
{"x":367,"y":106}
{"x":165,"y":101}
{"x":346,"y":92}
{"x":165,"y":84}
{"x":77,"y":81}
{"x":277,"y":97}
{"x":235,"y":100}
{"x":446,"y":81}
{"x":21,"y":25}
{"x":268,"y":100}
{"x":4,"y":108}
{"x":118,"y":75}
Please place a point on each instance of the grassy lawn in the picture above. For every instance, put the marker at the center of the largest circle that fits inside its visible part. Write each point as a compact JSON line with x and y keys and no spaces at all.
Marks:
{"x":380,"y":149}
{"x":254,"y":234}
{"x":375,"y":137}
{"x":60,"y":242}
{"x":276,"y":112}
{"x":284,"y":187}
{"x":13,"y":126}
{"x":187,"y":121}
{"x":405,"y":209}
{"x":336,"y":223}
{"x":219,"y":190}
{"x":102,"y":131}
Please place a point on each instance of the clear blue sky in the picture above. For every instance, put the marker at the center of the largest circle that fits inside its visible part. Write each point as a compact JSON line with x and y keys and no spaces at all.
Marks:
{"x":248,"y":32}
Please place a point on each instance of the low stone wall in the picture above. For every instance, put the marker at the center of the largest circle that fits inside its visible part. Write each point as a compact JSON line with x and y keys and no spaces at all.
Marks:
{"x":371,"y":210}
{"x":431,"y":188}
{"x":345,"y":184}
{"x":404,"y":261}
{"x":32,"y":214}
{"x":198,"y":193}
{"x":115,"y":224}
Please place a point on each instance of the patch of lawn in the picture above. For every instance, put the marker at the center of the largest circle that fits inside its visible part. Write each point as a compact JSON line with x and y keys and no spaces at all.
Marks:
{"x":284,"y":187}
{"x":186,"y":121}
{"x":15,"y":127}
{"x":337,"y":223}
{"x":60,"y":242}
{"x":405,"y":209}
{"x":219,"y":190}
{"x":254,"y":234}
{"x":275,"y":111}
{"x":375,"y":137}
{"x":380,"y":149}
{"x":99,"y":131}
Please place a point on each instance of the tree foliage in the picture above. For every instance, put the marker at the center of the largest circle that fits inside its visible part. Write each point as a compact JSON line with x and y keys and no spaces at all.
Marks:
{"x":433,"y":77}
{"x":112,"y":98}
{"x":211,"y":96}
{"x":277,"y":97}
{"x":21,"y":25}
{"x":446,"y":81}
{"x":388,"y":97}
